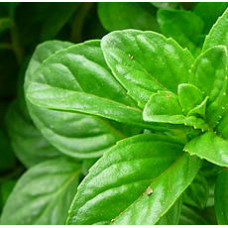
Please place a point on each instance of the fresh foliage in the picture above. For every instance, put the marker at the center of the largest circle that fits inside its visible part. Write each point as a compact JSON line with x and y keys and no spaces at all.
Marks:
{"x":116,"y":127}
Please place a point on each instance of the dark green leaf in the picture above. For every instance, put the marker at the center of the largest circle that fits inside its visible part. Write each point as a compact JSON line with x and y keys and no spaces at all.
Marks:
{"x":197,"y":193}
{"x":126,"y":19}
{"x":43,"y":194}
{"x":59,"y":14}
{"x":184,"y":26}
{"x":209,"y":12}
{"x":7,"y":160}
{"x":190,"y":216}
{"x":221,"y":198}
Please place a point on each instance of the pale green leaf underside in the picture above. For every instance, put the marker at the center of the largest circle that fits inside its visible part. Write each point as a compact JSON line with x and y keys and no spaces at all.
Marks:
{"x":43,"y":194}
{"x":141,"y":161}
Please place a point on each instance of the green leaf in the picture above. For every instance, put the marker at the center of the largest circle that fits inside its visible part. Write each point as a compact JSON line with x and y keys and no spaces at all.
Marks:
{"x":211,"y":147}
{"x":190,"y":216}
{"x":197,"y":193}
{"x":29,"y":145}
{"x":163,"y":107}
{"x":6,"y":188}
{"x":189,"y":96}
{"x":221,"y":198}
{"x":172,"y":217}
{"x":145,"y":62}
{"x":82,"y":136}
{"x":43,"y":194}
{"x":59,"y":15}
{"x":147,"y":166}
{"x":209,"y":74}
{"x":184,"y":26}
{"x":218,"y":35}
{"x":166,"y":5}
{"x":209,"y":12}
{"x":145,"y":20}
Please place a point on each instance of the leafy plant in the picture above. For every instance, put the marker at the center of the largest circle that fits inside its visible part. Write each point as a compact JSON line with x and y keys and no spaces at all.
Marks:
{"x":129,"y":129}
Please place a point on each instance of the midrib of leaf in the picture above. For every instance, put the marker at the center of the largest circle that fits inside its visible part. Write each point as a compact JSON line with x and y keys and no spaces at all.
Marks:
{"x":57,"y":193}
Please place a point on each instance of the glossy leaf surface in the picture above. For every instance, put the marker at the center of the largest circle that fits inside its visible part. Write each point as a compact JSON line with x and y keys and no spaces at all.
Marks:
{"x":146,"y":165}
{"x":138,"y":60}
{"x":211,"y":147}
{"x":82,"y":136}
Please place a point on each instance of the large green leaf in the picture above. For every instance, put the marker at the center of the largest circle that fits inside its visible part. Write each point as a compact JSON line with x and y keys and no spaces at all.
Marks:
{"x":43,"y":194}
{"x":28,"y":143}
{"x":209,"y":74}
{"x":145,"y":62}
{"x":221,"y":198}
{"x":145,"y":20}
{"x":184,"y":26}
{"x":147,"y":165}
{"x":82,"y":135}
{"x":211,"y":147}
{"x":218,"y":35}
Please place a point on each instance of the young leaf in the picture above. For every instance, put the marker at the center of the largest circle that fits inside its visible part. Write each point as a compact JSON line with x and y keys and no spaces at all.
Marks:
{"x":218,"y":35}
{"x":209,"y":74}
{"x":42,"y":199}
{"x":29,"y":145}
{"x":82,"y":136}
{"x":184,"y":26}
{"x":163,"y":107}
{"x":145,"y":62}
{"x":145,"y":20}
{"x":211,"y":147}
{"x":147,"y":166}
{"x":189,"y":96}
{"x":221,"y":198}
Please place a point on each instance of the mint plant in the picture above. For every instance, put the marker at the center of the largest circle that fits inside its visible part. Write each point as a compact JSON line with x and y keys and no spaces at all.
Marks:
{"x":129,"y":129}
